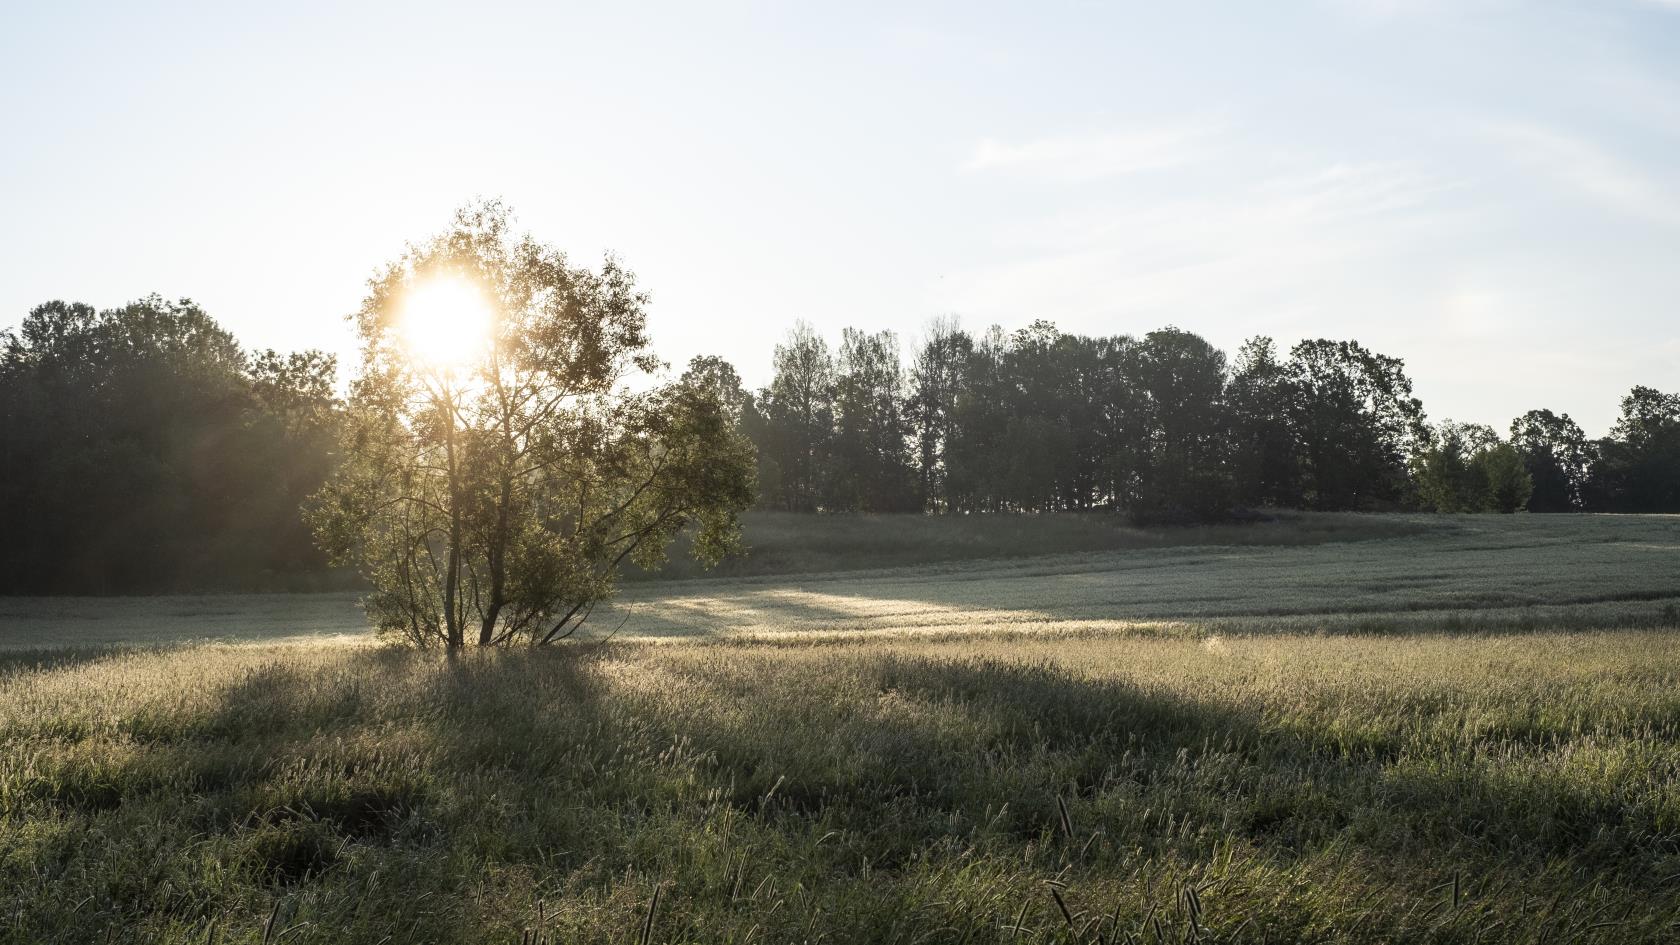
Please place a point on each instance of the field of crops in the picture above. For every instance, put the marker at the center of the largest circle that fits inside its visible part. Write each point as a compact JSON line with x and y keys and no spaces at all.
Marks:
{"x":1465,"y":732}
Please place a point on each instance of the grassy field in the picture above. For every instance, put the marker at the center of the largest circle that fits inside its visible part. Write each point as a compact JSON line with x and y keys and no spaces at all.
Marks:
{"x":1303,"y":573}
{"x":1455,"y":730}
{"x":1427,"y":788}
{"x":781,"y":542}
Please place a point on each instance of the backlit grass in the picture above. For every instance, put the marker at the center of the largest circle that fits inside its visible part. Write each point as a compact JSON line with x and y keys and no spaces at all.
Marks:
{"x":1017,"y":787}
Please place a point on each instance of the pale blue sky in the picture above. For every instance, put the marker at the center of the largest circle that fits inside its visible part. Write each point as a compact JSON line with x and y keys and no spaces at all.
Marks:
{"x":1490,"y":190}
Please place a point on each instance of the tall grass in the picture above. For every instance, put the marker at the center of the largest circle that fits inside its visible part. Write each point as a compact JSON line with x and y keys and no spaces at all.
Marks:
{"x":1103,"y":788}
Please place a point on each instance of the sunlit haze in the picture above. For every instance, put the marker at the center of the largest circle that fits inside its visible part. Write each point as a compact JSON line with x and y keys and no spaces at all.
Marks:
{"x":445,"y":321}
{"x":1488,"y":190}
{"x":982,"y":473}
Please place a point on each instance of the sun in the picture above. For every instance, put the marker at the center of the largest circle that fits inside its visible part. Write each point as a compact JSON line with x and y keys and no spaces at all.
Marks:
{"x":445,"y":321}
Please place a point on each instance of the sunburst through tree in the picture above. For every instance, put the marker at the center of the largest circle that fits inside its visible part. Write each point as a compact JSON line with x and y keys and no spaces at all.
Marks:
{"x":509,"y":444}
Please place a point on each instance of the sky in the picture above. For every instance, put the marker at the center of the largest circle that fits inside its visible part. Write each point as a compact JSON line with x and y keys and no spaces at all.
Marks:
{"x":1488,"y":189}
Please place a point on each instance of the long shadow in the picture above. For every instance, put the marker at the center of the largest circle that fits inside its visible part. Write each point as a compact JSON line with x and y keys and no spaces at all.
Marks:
{"x":316,"y":777}
{"x":283,"y":784}
{"x":1288,"y":791}
{"x":1298,"y":786}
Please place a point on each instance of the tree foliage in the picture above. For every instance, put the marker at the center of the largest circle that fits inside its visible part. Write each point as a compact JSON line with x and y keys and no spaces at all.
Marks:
{"x":1467,"y":468}
{"x":798,"y":410}
{"x":1638,"y":468}
{"x":1356,"y":423}
{"x":873,"y":470}
{"x":936,"y":381}
{"x":143,"y":450}
{"x":1042,"y":420}
{"x":1558,"y":458}
{"x":494,"y":501}
{"x":1265,"y":456}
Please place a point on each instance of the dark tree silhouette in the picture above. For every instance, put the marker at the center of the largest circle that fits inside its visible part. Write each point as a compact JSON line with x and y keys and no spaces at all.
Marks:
{"x":1265,"y":462}
{"x":798,"y":408}
{"x":1182,"y":379}
{"x":1357,"y":424}
{"x":1558,"y":458}
{"x":1639,"y":463}
{"x":1467,"y":468}
{"x":142,"y":450}
{"x":936,"y":380}
{"x":873,"y":470}
{"x":1041,"y":420}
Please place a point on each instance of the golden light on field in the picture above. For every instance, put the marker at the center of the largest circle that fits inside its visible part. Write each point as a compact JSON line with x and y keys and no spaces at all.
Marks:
{"x":445,"y":321}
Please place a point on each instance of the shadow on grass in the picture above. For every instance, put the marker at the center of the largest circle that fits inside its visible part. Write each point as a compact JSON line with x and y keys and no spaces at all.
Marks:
{"x":854,"y":738}
{"x":382,"y":793}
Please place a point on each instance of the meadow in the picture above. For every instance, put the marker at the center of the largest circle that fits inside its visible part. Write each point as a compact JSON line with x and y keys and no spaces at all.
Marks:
{"x":915,"y":574}
{"x":1447,"y":730}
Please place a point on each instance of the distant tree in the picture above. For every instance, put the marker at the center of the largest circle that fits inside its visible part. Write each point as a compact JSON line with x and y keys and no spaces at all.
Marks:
{"x":1638,"y":468}
{"x":1034,"y":462}
{"x":936,"y":377}
{"x":1265,"y":463}
{"x":798,"y":410}
{"x":1445,"y":480}
{"x":491,"y":495}
{"x":1509,"y":484}
{"x":297,"y":428}
{"x":718,"y":378}
{"x":1558,"y":458}
{"x":873,"y":471}
{"x":979,"y":428}
{"x":1081,"y":372}
{"x":1465,"y":468}
{"x":1182,"y":378}
{"x":1356,"y":424}
{"x":143,"y":451}
{"x":755,"y":424}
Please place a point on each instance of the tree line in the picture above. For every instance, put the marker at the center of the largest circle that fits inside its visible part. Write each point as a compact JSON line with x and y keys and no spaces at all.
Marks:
{"x":142,"y":449}
{"x":1165,"y":427}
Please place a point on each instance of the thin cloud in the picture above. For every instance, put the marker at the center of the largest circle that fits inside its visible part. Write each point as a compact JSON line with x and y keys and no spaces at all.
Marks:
{"x":1639,"y":97}
{"x":1382,"y":11}
{"x":1091,"y":157}
{"x":1611,"y":182}
{"x":1282,"y":245}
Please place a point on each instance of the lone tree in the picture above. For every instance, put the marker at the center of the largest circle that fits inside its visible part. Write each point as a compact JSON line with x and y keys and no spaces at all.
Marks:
{"x":509,"y":446}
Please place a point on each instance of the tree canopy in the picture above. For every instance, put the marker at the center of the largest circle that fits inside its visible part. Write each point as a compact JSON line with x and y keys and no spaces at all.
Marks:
{"x":143,"y":450}
{"x":492,"y":494}
{"x":1164,"y":427}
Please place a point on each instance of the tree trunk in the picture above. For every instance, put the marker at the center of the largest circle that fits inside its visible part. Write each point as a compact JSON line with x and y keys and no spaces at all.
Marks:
{"x":453,"y":637}
{"x":498,"y":565}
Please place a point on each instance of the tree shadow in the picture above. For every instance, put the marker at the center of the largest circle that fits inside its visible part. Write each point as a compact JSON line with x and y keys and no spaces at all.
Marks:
{"x":310,"y":777}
